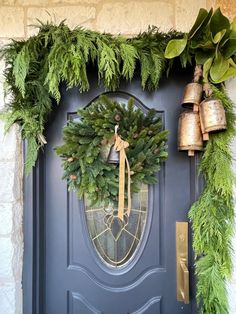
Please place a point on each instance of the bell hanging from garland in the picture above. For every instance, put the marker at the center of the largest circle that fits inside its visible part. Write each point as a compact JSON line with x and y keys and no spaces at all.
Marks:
{"x":212,"y":114}
{"x":193,"y":91}
{"x":189,"y":132}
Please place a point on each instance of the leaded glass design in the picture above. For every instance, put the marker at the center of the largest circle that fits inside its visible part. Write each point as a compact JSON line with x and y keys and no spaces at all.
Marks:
{"x":115,"y":240}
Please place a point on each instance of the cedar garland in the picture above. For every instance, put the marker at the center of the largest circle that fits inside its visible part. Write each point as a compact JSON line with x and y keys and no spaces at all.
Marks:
{"x":36,"y":67}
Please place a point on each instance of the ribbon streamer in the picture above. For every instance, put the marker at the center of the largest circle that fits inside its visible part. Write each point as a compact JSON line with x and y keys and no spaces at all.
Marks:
{"x":120,"y":146}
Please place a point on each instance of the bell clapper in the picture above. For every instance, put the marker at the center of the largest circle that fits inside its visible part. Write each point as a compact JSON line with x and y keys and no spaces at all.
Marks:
{"x":191,"y":153}
{"x":205,"y":136}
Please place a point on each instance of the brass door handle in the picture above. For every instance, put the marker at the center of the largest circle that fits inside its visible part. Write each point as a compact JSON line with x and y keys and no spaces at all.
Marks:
{"x":184,"y":289}
{"x":182,"y":272}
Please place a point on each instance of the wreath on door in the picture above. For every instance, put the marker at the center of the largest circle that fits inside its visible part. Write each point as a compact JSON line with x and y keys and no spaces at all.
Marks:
{"x":88,"y":165}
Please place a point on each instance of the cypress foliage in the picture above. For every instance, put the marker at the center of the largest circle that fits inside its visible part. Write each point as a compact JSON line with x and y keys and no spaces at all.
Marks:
{"x":36,"y":67}
{"x":212,"y":217}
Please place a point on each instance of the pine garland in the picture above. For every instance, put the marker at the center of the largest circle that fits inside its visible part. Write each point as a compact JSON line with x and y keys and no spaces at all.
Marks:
{"x":212,"y":217}
{"x":37,"y":66}
{"x":84,"y":166}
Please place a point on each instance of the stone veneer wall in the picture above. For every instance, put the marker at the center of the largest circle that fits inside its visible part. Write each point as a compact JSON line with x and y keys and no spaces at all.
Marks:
{"x":128,"y":17}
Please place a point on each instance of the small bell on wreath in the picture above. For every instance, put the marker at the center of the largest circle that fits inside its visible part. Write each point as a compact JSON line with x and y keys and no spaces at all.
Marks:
{"x":189,"y":132}
{"x":113,"y":157}
{"x":105,"y":149}
{"x":193,"y":91}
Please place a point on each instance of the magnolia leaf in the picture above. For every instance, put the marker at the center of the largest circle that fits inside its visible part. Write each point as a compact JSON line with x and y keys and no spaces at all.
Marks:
{"x":175,"y":47}
{"x":232,"y":63}
{"x":217,"y":38}
{"x":202,"y":56}
{"x":206,"y":68}
{"x":203,"y":40}
{"x":207,"y":44}
{"x":229,"y":48}
{"x":201,"y":21}
{"x":218,"y":68}
{"x":233,"y":29}
{"x":233,"y":25}
{"x":218,"y":22}
{"x":231,"y":72}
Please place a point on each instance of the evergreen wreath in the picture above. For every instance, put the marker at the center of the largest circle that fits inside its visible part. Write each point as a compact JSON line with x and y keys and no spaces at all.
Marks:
{"x":36,"y":66}
{"x":85,"y":166}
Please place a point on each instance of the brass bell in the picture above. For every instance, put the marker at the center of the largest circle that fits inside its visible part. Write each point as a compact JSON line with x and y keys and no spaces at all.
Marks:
{"x":113,"y":157}
{"x":192,"y":95}
{"x":189,"y":132}
{"x":212,"y":115}
{"x":105,"y":150}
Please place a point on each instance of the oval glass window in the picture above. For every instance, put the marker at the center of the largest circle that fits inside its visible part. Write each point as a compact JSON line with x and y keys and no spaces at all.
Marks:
{"x":114,"y":240}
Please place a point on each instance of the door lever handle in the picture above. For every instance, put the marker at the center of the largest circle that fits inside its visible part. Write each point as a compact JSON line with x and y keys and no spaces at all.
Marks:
{"x":184,"y":289}
{"x":182,"y":272}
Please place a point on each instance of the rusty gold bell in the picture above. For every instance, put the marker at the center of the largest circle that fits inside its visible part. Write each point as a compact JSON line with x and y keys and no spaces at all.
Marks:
{"x":105,"y":148}
{"x":113,"y":157}
{"x":212,"y":116}
{"x":192,"y":96}
{"x":189,"y":132}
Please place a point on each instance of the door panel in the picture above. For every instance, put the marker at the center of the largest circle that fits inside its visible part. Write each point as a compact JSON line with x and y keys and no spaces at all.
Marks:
{"x":76,"y":279}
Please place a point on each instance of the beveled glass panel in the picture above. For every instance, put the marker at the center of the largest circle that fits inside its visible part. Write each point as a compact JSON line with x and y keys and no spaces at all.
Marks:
{"x":115,"y":240}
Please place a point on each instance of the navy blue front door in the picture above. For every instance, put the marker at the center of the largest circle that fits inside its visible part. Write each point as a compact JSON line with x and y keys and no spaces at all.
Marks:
{"x":88,"y":268}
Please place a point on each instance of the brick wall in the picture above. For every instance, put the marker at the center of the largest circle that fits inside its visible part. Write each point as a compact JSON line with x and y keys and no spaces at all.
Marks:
{"x":128,"y":17}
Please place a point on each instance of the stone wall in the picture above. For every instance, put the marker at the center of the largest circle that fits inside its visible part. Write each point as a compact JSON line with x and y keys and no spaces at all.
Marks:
{"x":128,"y":17}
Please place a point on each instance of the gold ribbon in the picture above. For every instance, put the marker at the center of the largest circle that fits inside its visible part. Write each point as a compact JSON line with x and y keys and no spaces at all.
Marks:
{"x":120,"y":146}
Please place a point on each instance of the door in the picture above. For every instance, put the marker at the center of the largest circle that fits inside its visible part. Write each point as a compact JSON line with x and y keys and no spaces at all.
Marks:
{"x":80,"y":273}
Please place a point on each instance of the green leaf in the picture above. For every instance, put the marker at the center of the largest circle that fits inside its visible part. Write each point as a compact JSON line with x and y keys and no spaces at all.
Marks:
{"x":231,"y":62}
{"x":175,"y":47}
{"x":218,"y":22}
{"x":233,"y":25}
{"x":219,"y":67}
{"x":217,"y":38}
{"x":206,"y":69}
{"x":202,"y":56}
{"x":231,"y":72}
{"x":21,"y":68}
{"x":229,"y":48}
{"x":32,"y":154}
{"x":201,"y":21}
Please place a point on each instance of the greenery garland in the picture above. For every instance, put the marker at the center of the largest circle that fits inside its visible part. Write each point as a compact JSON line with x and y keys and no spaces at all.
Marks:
{"x":84,"y":166}
{"x":212,"y":217}
{"x":36,"y":67}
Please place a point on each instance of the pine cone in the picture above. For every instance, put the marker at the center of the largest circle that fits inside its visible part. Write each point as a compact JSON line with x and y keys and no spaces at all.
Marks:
{"x":117,"y":117}
{"x":70,"y":159}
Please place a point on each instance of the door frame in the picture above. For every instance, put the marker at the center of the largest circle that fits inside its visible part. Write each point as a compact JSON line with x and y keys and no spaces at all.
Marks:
{"x":33,"y":232}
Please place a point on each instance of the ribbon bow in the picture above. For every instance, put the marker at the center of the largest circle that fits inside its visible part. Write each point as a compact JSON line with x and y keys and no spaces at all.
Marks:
{"x":120,"y":146}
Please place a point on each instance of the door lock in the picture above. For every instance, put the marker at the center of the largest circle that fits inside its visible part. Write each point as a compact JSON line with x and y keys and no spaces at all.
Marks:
{"x":182,"y":272}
